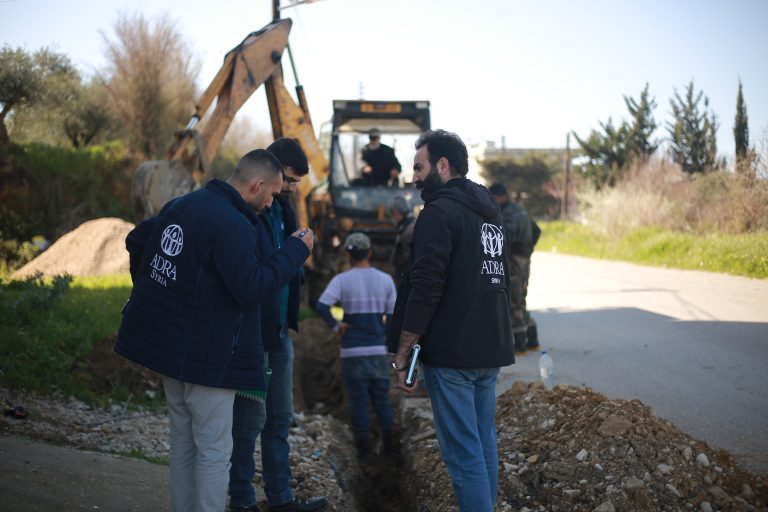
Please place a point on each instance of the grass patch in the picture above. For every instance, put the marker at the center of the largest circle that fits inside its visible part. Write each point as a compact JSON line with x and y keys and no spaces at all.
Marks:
{"x":743,"y":255}
{"x":48,"y":328}
{"x":137,"y":454}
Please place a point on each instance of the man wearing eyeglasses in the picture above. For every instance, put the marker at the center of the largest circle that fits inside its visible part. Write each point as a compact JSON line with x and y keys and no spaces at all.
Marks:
{"x":273,"y":419}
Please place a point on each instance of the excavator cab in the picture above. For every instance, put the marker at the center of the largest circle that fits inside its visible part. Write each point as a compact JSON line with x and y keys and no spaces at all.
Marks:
{"x":399,"y":124}
{"x":352,"y":201}
{"x":358,"y":203}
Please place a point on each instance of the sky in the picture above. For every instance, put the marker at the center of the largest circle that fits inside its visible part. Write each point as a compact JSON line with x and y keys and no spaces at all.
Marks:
{"x":530,"y":72}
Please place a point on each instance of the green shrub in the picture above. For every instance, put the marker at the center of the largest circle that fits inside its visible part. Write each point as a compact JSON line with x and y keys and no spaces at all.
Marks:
{"x":32,"y":295}
{"x":51,"y":189}
{"x":15,"y":254}
{"x":659,"y":194}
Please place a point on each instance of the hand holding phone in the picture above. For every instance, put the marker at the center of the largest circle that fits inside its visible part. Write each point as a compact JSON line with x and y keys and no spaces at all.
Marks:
{"x":305,"y":235}
{"x":413,"y":366}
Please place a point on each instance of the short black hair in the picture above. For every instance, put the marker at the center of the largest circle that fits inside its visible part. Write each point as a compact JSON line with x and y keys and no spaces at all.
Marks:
{"x":498,"y":189}
{"x":444,"y":144}
{"x":258,"y":162}
{"x":358,"y":254}
{"x":290,"y":154}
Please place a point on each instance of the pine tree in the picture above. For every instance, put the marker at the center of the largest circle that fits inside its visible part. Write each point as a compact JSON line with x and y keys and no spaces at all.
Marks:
{"x":741,"y":130}
{"x":608,"y":153}
{"x":693,"y":133}
{"x":643,"y":125}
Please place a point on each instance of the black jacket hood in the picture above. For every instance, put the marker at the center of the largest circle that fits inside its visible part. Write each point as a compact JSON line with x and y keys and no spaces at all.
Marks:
{"x":470,"y":194}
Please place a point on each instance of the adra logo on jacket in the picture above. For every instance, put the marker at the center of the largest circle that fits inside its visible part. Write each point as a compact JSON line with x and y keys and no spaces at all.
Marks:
{"x":172,"y":240}
{"x":171,"y":243}
{"x":492,"y":238}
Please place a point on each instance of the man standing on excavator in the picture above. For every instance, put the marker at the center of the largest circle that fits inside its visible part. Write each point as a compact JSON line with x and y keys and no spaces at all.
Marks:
{"x":273,"y":417}
{"x":382,"y":168}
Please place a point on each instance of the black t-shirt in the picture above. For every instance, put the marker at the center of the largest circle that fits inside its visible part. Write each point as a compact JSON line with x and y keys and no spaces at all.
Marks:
{"x":382,"y":160}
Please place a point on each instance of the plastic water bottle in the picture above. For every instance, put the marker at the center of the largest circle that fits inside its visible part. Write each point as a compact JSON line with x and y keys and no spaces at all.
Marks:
{"x":546,"y":365}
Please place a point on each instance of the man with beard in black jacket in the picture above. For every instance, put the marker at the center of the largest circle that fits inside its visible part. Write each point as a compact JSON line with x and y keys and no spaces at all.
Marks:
{"x":454,"y":303}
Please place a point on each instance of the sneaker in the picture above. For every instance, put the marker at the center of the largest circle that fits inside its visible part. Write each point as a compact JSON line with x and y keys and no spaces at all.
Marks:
{"x":314,"y":504}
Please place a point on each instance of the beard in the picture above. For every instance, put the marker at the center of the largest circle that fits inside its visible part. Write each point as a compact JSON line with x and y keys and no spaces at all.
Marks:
{"x":429,"y":184}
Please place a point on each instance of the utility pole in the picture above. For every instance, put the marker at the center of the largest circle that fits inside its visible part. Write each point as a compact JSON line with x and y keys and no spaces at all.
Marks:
{"x":567,"y":179}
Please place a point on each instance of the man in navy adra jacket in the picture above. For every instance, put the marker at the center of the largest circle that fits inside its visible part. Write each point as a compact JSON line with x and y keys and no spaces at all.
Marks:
{"x":194,"y":315}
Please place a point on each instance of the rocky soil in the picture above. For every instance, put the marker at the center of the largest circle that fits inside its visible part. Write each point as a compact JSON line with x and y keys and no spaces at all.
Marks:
{"x":563,"y":449}
{"x":573,"y":449}
{"x":322,"y":457}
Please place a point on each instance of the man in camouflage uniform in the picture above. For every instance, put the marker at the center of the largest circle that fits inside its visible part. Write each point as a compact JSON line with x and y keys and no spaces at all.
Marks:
{"x":522,"y":233}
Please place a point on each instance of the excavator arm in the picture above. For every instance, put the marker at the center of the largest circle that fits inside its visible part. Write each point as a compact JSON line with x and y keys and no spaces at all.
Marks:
{"x":292,"y":120}
{"x":245,"y":68}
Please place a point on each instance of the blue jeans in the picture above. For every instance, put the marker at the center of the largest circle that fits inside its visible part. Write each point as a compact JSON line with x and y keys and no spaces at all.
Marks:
{"x":367,"y":378}
{"x":274,"y":437}
{"x":248,"y":418}
{"x":464,"y":408}
{"x":272,"y":420}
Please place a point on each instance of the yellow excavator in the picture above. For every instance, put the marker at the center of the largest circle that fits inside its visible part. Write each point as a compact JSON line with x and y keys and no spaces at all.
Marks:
{"x":255,"y":61}
{"x":332,"y":201}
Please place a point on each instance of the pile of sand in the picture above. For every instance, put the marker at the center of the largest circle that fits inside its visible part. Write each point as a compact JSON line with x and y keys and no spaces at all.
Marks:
{"x":96,"y":247}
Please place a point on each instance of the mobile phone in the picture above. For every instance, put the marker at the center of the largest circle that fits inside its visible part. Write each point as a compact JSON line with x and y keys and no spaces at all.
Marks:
{"x":410,"y":377}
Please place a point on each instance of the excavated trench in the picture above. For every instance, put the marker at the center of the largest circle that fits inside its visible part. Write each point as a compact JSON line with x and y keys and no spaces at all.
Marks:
{"x":380,"y":485}
{"x":563,"y":449}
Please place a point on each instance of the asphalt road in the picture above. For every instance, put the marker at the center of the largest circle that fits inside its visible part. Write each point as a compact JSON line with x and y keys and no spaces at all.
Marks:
{"x":691,"y":345}
{"x":38,"y":477}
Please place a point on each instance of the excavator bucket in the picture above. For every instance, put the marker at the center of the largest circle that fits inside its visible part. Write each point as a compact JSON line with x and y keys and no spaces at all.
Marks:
{"x":155,"y":183}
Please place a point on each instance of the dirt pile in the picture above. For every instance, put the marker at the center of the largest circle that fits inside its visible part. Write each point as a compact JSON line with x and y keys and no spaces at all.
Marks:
{"x":573,"y":449}
{"x":96,"y":247}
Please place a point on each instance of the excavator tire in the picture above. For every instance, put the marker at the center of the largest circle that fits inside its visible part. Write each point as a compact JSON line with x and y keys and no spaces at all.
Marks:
{"x":157,"y":182}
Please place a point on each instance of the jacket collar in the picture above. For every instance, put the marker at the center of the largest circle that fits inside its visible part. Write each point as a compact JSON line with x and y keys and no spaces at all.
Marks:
{"x":222,"y":188}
